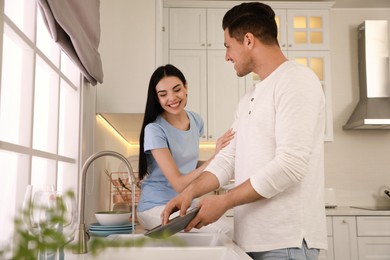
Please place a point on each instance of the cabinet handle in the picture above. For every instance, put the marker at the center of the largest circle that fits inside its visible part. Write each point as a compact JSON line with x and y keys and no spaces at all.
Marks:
{"x":290,"y":45}
{"x":203,"y":45}
{"x":283,"y":45}
{"x":344,"y":221}
{"x":209,"y":44}
{"x":210,"y":136}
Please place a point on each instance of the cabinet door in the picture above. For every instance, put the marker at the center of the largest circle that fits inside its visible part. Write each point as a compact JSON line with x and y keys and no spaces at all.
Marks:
{"x":215,"y":40}
{"x":193,"y":65}
{"x":374,"y":248}
{"x":373,"y":226}
{"x":344,"y":238}
{"x":319,"y":62}
{"x":373,"y":237}
{"x":187,"y":28}
{"x":223,"y":93}
{"x":281,"y":21}
{"x":308,"y":29}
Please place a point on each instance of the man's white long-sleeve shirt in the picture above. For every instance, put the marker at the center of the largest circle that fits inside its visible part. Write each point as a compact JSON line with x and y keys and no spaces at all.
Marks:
{"x":278,"y":145}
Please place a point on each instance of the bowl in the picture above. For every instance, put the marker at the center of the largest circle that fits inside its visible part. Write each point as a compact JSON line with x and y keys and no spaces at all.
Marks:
{"x":112,"y":218}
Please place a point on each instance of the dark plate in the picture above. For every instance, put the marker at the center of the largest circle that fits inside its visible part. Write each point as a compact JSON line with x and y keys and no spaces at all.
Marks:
{"x":175,"y":225}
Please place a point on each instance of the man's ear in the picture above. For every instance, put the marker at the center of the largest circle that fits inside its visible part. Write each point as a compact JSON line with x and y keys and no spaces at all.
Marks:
{"x":249,"y":40}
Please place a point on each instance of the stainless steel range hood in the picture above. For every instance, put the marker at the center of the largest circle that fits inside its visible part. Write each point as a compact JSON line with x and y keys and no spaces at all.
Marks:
{"x":373,"y":109}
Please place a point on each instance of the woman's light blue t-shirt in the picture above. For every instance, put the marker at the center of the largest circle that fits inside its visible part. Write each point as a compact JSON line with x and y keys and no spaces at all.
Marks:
{"x":184,"y":147}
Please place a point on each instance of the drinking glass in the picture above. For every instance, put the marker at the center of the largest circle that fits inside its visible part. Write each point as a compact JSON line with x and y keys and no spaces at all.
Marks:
{"x":50,"y":216}
{"x":30,"y":209}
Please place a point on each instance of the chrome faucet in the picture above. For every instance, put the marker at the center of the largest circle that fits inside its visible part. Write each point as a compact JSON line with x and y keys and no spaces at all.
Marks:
{"x":81,"y":232}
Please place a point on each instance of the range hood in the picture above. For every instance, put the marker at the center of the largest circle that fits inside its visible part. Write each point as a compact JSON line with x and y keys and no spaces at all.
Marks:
{"x":373,"y":109}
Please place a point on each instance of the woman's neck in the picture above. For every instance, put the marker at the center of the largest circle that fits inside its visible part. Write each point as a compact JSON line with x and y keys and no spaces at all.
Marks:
{"x":179,"y":121}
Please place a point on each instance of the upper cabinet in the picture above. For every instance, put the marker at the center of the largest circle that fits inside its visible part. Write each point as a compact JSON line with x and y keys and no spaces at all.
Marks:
{"x":196,"y":29}
{"x":303,"y":29}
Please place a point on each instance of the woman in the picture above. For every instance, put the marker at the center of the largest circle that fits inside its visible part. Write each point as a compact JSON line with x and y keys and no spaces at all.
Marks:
{"x":169,"y":147}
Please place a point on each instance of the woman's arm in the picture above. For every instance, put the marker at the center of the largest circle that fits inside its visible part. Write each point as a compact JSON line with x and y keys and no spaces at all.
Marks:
{"x":169,"y":167}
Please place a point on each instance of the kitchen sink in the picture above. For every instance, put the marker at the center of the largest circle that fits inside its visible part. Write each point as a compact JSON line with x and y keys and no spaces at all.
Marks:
{"x":194,"y":246}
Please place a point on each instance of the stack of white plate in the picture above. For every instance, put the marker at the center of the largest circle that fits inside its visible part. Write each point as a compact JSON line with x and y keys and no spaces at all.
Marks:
{"x":97,"y":229}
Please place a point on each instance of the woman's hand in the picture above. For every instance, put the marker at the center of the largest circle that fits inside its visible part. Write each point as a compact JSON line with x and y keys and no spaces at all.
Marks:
{"x":224,"y":140}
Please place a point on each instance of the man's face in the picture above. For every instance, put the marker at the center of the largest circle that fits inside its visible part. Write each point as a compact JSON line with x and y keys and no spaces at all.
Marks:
{"x":238,"y":54}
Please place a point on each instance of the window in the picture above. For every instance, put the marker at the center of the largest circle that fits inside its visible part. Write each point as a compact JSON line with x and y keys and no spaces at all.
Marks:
{"x":40,"y":110}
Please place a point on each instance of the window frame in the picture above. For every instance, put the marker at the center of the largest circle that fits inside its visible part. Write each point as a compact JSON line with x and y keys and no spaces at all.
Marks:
{"x":85,"y":130}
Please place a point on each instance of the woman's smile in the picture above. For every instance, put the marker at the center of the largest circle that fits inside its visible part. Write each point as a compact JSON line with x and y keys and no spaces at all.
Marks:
{"x":175,"y":104}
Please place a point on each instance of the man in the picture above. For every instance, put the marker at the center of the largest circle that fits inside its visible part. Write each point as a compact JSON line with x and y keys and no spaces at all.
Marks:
{"x":276,"y":157}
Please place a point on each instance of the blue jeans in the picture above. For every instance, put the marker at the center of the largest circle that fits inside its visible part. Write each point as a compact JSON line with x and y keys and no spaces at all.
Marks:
{"x":293,"y":253}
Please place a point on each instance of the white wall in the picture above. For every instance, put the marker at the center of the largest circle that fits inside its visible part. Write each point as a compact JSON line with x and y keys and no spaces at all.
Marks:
{"x":127,"y":49}
{"x":357,"y":162}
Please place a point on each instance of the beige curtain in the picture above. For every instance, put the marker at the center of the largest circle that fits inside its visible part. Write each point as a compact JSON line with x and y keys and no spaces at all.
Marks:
{"x":75,"y":26}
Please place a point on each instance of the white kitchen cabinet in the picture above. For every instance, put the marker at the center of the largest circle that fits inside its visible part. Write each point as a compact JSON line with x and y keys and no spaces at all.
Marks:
{"x":374,"y":248}
{"x":187,"y":28}
{"x":359,"y":238}
{"x":303,"y":29}
{"x":196,"y":47}
{"x":196,"y":29}
{"x":345,"y":238}
{"x":373,"y":237}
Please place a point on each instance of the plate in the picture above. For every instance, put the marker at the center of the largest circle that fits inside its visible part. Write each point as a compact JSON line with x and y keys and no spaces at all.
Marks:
{"x":110,"y":229}
{"x":97,"y":225}
{"x":104,"y":233}
{"x":175,"y":225}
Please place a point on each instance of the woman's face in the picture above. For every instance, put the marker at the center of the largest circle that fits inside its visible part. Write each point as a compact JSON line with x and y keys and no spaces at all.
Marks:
{"x":172,"y":94}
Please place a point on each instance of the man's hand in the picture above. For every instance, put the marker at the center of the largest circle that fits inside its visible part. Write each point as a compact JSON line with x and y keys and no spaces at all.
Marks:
{"x":212,"y":208}
{"x":181,"y":202}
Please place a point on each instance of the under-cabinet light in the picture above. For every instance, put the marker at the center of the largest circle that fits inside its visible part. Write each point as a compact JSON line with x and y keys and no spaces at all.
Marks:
{"x":109,"y":126}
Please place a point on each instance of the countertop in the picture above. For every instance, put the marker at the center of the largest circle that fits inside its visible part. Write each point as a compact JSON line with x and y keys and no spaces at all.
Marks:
{"x":349,"y":211}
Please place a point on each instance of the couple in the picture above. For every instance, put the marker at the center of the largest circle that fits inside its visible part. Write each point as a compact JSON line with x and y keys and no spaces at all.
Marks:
{"x":274,"y":150}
